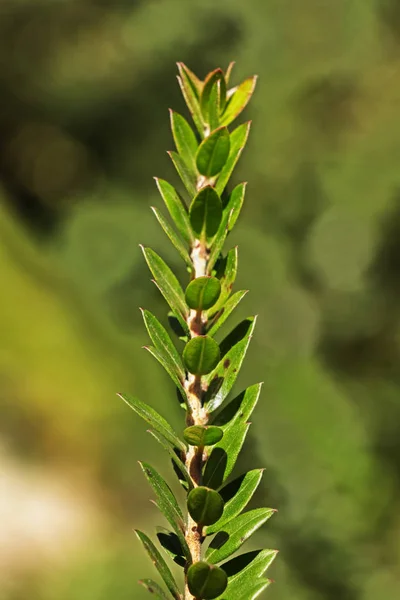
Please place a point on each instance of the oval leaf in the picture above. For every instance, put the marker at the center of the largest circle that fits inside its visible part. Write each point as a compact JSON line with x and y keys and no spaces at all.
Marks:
{"x":235,"y":533}
{"x":201,"y":355}
{"x":203,"y":435}
{"x":206,"y":213}
{"x":159,"y":563}
{"x":213,"y":152}
{"x":205,"y":506}
{"x":202,"y":293}
{"x":238,"y":139}
{"x":213,"y":79}
{"x":206,"y":581}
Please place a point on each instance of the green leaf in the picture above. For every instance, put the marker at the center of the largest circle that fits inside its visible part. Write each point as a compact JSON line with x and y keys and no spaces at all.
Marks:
{"x":219,"y":319}
{"x":239,"y":409}
{"x":228,"y":72}
{"x":173,"y":236}
{"x":238,"y":139}
{"x":201,"y":354}
{"x":238,"y":99}
{"x":187,"y":176}
{"x":235,"y":533}
{"x":202,"y":293}
{"x":220,"y":381}
{"x":213,"y":152}
{"x":167,"y":503}
{"x":174,"y":456}
{"x":185,"y":139}
{"x":163,"y":343}
{"x":154,"y":589}
{"x":166,"y":364}
{"x":154,"y":419}
{"x":203,"y":435}
{"x":206,"y":213}
{"x":191,"y":89}
{"x":171,"y":544}
{"x":224,"y":456}
{"x":168,"y":285}
{"x":236,"y":496}
{"x":243,"y":572}
{"x":213,"y":78}
{"x":205,"y":505}
{"x":226,"y":270}
{"x":159,"y":563}
{"x":176,"y":208}
{"x":229,"y":217}
{"x":206,"y":581}
{"x":214,"y":106}
{"x":254,"y":591}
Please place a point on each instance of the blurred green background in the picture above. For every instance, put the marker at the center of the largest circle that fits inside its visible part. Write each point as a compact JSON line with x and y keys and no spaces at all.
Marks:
{"x":85,"y":91}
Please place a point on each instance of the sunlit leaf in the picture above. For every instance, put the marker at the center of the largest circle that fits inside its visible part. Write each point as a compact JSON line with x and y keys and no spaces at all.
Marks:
{"x":220,"y":381}
{"x":253,"y":592}
{"x":185,"y":139}
{"x":168,"y":285}
{"x":235,"y":533}
{"x":213,"y":152}
{"x":243,"y":572}
{"x":219,"y":318}
{"x":159,"y":563}
{"x":239,"y":409}
{"x":154,"y":589}
{"x":238,"y":100}
{"x":238,"y":139}
{"x":210,"y":82}
{"x":166,"y":364}
{"x":205,"y":505}
{"x":163,"y":343}
{"x":206,"y":213}
{"x":228,"y":72}
{"x":154,"y":419}
{"x":191,"y":89}
{"x":203,"y":435}
{"x":236,"y":496}
{"x":186,"y":174}
{"x":174,"y":456}
{"x":176,"y":208}
{"x":173,"y":236}
{"x":224,"y":455}
{"x":226,"y":270}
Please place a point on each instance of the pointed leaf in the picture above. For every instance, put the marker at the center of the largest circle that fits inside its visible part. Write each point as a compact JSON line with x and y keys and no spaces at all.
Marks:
{"x":206,"y":581}
{"x":229,"y":217}
{"x":176,"y":208}
{"x":154,"y":419}
{"x":228,"y":72}
{"x":159,"y":563}
{"x":220,"y":318}
{"x":206,"y":213}
{"x":214,"y":106}
{"x":187,"y":176}
{"x":168,"y":285}
{"x":174,"y":456}
{"x":238,"y":100}
{"x":244,"y":571}
{"x":236,"y":496}
{"x":239,"y":409}
{"x":166,"y":364}
{"x":254,"y":592}
{"x":238,"y":139}
{"x":171,"y":544}
{"x":201,"y":355}
{"x":235,"y":533}
{"x":220,"y":381}
{"x":167,"y":503}
{"x":213,"y":152}
{"x":163,"y":343}
{"x":226,"y":270}
{"x":173,"y":236}
{"x":202,"y":293}
{"x":203,"y":435}
{"x":185,"y":139}
{"x":154,"y":589}
{"x":224,"y":456}
{"x":206,"y":95}
{"x":190,"y":87}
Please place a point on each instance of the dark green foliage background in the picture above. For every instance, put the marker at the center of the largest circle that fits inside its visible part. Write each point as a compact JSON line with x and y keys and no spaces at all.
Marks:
{"x":84,"y":126}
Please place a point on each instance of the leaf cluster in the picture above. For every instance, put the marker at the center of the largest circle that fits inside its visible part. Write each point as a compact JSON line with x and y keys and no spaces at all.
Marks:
{"x":204,"y":370}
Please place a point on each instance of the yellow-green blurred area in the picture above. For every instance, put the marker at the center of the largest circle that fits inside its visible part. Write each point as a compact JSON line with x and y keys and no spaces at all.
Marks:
{"x":85,"y":89}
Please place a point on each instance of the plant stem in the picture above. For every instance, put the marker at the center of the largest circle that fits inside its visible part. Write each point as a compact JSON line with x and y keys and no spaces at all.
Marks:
{"x":195,"y":456}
